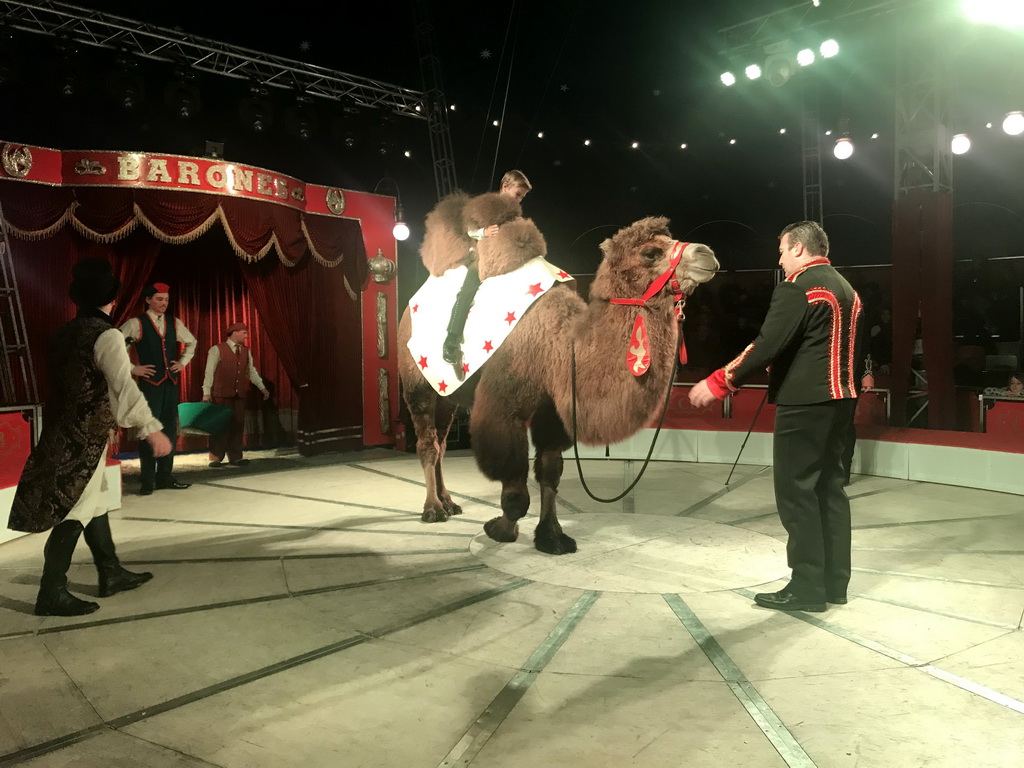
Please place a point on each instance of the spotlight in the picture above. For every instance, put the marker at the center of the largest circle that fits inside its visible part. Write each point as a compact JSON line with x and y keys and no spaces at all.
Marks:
{"x":1000,"y":13}
{"x":1013,"y":124}
{"x":540,"y":134}
{"x":728,"y":78}
{"x":829,"y":49}
{"x":874,"y":135}
{"x":732,"y":141}
{"x":843,"y":148}
{"x":452,"y":107}
{"x":960,"y":144}
{"x":782,"y":130}
{"x":408,"y":153}
{"x":753,"y":71}
{"x":683,"y":145}
{"x":586,"y":142}
{"x":495,"y":123}
{"x":635,"y":145}
{"x":805,"y":57}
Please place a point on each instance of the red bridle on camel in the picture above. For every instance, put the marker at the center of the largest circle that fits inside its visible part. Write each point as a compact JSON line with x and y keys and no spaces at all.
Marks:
{"x":656,"y":287}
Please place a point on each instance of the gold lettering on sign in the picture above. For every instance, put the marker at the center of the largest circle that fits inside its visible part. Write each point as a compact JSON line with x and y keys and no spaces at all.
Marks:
{"x":241,"y":180}
{"x":281,"y":188}
{"x":158,"y":170}
{"x":129,"y":167}
{"x":216,"y":176}
{"x":263,"y":184}
{"x":188,"y":173}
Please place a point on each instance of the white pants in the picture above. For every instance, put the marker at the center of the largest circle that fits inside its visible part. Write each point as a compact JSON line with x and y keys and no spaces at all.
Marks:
{"x":93,"y":501}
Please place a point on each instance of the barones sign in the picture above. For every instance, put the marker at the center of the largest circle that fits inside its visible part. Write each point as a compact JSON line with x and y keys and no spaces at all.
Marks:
{"x":170,"y":172}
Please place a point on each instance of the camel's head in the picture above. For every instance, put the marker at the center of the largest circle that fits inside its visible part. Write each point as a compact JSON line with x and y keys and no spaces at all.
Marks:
{"x":638,"y":259}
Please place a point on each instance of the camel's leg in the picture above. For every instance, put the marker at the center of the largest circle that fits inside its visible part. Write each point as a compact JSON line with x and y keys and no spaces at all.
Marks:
{"x":444,"y":415}
{"x":502,"y":453}
{"x":423,"y":405}
{"x":550,"y":439}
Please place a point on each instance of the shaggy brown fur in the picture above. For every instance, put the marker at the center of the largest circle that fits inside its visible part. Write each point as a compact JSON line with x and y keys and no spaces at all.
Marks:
{"x":490,"y":208}
{"x":527,"y":381}
{"x":517,"y":242}
{"x":445,"y":242}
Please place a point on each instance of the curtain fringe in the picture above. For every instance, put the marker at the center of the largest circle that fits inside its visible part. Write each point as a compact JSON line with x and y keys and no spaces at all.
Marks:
{"x":39,"y":234}
{"x":317,"y":255}
{"x":188,"y":237}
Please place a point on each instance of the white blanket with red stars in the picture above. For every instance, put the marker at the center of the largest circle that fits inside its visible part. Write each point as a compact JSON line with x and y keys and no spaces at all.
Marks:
{"x":500,"y":304}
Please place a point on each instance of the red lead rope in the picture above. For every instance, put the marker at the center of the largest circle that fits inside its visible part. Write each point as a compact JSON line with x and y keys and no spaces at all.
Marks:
{"x":655,"y":288}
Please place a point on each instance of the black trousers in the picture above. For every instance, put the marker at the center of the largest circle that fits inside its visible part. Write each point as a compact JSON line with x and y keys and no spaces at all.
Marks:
{"x":163,"y":402}
{"x":809,"y":475}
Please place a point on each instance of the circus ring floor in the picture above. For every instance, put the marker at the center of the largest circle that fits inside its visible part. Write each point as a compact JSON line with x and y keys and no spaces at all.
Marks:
{"x":301,"y":615}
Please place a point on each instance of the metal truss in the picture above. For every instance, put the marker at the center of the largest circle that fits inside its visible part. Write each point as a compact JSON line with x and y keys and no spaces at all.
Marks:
{"x":924,"y":158}
{"x":103,"y":30}
{"x":436,"y":106}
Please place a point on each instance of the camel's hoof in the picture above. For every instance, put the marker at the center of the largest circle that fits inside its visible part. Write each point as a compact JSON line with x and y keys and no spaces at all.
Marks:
{"x":434,"y":515}
{"x":554,"y":543}
{"x":452,"y":508}
{"x":501,"y":529}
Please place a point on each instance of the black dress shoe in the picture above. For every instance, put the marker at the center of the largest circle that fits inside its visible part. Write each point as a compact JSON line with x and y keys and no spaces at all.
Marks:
{"x":217,"y":464}
{"x":172,"y":485}
{"x":240,"y":463}
{"x":784,"y":600}
{"x":146,"y":489}
{"x":836,"y":599}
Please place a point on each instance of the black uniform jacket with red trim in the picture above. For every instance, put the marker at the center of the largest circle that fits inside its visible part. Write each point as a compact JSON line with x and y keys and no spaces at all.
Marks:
{"x":809,"y":341}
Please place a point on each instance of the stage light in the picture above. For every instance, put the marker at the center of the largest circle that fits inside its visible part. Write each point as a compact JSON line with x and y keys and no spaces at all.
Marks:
{"x":874,"y":135}
{"x":452,"y":107}
{"x":495,"y":123}
{"x":1013,"y":123}
{"x":635,"y":145}
{"x":732,"y":141}
{"x":683,"y":145}
{"x":728,"y":78}
{"x":999,"y":13}
{"x":540,"y":134}
{"x":960,"y":144}
{"x":828,"y":132}
{"x":782,"y":130}
{"x":843,"y":148}
{"x":816,"y":3}
{"x":586,"y":142}
{"x":829,"y":49}
{"x":988,"y":125}
{"x":753,"y":71}
{"x":407,"y":153}
{"x":805,"y":57}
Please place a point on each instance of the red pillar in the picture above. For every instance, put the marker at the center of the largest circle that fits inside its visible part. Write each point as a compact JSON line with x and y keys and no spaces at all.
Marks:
{"x":922,"y":287}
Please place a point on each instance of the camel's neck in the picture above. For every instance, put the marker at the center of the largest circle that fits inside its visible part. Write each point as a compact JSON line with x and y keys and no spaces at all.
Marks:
{"x":612,"y":403}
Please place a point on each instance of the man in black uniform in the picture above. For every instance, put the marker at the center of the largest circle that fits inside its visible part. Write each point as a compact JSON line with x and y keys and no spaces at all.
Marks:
{"x":809,"y":340}
{"x":156,"y":335}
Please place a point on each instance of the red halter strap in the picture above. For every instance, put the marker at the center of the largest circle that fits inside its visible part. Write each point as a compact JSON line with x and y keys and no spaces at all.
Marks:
{"x":659,"y":282}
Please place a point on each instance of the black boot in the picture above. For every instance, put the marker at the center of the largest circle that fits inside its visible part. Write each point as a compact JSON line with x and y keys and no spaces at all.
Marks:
{"x":54,"y":598}
{"x":113,"y":578}
{"x":451,"y":351}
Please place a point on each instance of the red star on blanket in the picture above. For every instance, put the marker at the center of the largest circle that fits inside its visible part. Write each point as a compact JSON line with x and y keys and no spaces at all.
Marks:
{"x":415,"y":307}
{"x":563,"y":275}
{"x":488,"y":347}
{"x":510,"y":318}
{"x":423,"y":363}
{"x":465,"y":367}
{"x":441,"y":386}
{"x":534,"y":289}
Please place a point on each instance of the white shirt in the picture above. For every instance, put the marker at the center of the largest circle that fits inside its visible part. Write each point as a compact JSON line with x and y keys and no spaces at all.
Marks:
{"x":213,"y":359}
{"x":129,"y":407}
{"x":132,"y":329}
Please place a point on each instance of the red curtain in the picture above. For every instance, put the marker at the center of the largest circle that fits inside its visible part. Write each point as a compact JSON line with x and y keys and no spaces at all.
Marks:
{"x":303,"y":323}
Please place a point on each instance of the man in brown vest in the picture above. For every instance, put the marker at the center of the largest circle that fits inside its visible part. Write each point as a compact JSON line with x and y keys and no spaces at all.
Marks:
{"x":229,"y":368}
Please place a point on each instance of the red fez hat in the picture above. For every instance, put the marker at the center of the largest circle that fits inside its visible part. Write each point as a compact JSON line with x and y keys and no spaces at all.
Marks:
{"x":155,"y":288}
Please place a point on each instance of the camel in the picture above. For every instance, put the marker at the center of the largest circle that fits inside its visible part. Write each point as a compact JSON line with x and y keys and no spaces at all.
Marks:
{"x":526,"y":385}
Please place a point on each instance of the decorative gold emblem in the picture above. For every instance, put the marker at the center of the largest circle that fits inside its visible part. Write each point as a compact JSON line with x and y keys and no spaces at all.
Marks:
{"x":17,"y":161}
{"x":86,"y":167}
{"x":336,"y":201}
{"x":381,"y":267}
{"x":299,"y":193}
